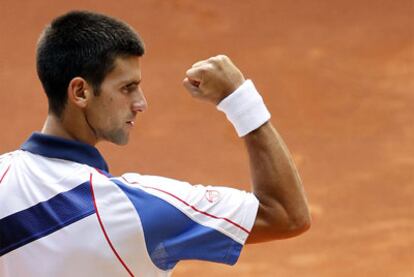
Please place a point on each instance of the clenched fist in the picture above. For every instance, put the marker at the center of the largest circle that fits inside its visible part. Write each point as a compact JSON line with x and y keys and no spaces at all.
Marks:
{"x":213,"y":79}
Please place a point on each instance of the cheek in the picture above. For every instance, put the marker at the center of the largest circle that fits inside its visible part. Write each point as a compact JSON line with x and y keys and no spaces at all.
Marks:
{"x":101,"y":114}
{"x":115,"y":112}
{"x":110,"y":112}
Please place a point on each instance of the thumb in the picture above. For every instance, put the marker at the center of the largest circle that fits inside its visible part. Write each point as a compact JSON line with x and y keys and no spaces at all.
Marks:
{"x":192,"y":86}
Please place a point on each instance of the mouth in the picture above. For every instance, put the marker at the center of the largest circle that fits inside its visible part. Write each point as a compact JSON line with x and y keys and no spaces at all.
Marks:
{"x":130,"y":123}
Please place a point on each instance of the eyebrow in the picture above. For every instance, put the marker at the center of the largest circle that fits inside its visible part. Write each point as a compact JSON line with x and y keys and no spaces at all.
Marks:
{"x":131,"y":82}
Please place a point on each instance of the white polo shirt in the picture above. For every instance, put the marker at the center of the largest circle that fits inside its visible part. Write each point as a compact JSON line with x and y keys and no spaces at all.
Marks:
{"x":63,"y":214}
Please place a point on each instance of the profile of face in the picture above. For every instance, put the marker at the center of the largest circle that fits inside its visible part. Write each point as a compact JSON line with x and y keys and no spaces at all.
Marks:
{"x":112,"y":113}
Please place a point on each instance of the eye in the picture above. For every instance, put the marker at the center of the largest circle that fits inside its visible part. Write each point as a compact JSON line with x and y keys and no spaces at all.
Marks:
{"x":129,"y":88}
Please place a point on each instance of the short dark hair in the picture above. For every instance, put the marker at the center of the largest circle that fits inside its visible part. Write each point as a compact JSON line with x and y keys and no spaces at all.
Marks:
{"x":81,"y":44}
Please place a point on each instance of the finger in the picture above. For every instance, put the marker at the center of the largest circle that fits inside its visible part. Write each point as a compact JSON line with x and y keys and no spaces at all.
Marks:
{"x":194,"y":82}
{"x":199,"y":63}
{"x":191,"y":86}
{"x":194,"y":74}
{"x":200,"y":72}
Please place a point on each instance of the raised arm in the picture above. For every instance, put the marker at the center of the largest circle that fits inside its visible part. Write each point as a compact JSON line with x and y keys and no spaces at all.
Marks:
{"x":283,"y":210}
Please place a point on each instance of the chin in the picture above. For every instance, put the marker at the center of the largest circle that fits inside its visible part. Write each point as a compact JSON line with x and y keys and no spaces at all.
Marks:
{"x":123,"y":141}
{"x":118,"y":138}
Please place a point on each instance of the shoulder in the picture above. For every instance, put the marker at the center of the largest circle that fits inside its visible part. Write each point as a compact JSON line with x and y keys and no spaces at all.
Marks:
{"x":182,"y":192}
{"x":7,"y":156}
{"x":151,"y":180}
{"x":162,"y":187}
{"x":6,"y":160}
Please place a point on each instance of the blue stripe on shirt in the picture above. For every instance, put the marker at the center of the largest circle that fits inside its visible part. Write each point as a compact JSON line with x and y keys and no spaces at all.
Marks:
{"x":171,"y":236}
{"x":44,"y":218}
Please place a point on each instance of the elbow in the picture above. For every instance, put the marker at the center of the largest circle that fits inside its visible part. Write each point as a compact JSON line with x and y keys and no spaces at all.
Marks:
{"x":288,"y":225}
{"x":296,"y":222}
{"x":299,"y":225}
{"x":276,"y":223}
{"x":292,"y":228}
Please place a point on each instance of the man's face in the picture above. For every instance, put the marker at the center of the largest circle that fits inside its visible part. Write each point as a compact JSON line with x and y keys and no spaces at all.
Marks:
{"x":111,"y":115}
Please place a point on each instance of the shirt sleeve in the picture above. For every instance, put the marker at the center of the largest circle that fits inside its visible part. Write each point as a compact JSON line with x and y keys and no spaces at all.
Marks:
{"x":183,"y":221}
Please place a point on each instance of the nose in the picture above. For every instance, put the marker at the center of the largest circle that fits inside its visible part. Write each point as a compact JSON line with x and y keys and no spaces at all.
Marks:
{"x":139,"y":104}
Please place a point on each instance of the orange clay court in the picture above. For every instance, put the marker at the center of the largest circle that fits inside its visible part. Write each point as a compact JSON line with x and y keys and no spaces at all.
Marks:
{"x":338,"y":78}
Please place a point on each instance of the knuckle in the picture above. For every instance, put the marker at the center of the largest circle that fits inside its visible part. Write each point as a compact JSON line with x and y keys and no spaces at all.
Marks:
{"x":202,"y":70}
{"x":212,"y":60}
{"x":222,"y":58}
{"x":199,"y":63}
{"x":218,"y":60}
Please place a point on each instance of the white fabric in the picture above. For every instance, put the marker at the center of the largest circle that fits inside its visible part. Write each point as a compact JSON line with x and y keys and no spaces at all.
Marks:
{"x":26,"y":169}
{"x":80,"y":248}
{"x":225,"y":202}
{"x":245,"y":109}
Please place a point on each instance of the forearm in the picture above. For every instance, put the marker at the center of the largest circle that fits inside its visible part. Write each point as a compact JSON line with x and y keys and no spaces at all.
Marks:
{"x":283,"y":210}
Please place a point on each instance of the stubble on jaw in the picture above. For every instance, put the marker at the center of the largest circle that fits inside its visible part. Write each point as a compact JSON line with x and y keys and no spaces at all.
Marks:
{"x":116,"y":136}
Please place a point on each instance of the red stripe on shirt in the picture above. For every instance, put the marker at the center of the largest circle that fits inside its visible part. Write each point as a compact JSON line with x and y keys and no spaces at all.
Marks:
{"x":195,"y":208}
{"x":104,"y":231}
{"x":5,"y":173}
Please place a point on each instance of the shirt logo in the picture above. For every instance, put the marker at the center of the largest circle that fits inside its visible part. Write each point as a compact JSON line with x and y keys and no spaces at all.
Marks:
{"x":212,"y":196}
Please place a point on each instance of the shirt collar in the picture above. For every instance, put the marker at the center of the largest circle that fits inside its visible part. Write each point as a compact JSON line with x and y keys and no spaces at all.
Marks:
{"x":60,"y":148}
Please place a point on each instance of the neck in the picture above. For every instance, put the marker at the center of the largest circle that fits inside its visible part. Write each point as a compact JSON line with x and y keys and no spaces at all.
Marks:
{"x":59,"y":127}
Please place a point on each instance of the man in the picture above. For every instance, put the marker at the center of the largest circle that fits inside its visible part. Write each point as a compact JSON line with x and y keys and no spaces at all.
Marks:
{"x":63,"y":214}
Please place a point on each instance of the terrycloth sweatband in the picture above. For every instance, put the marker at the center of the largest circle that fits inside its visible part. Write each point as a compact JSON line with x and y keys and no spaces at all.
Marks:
{"x":245,"y":109}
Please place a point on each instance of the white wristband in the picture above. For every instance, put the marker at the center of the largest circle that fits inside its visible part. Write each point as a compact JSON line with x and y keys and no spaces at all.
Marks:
{"x":245,"y":109}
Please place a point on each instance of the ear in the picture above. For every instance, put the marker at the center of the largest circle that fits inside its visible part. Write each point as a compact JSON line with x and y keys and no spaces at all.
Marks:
{"x":79,"y":92}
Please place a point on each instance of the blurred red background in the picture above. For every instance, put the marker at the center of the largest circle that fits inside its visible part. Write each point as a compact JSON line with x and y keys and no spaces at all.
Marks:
{"x":338,"y":78}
